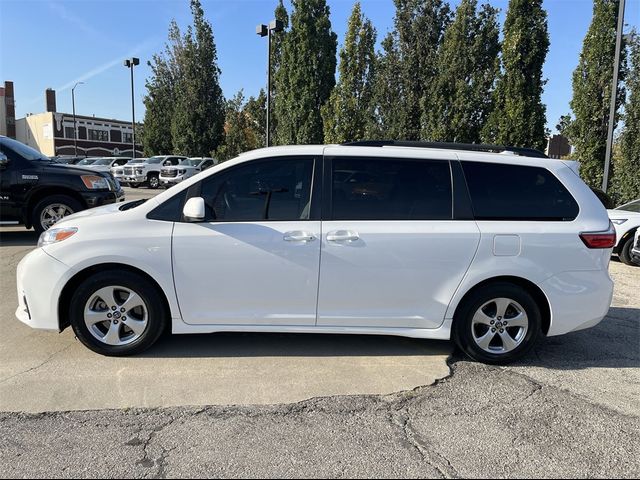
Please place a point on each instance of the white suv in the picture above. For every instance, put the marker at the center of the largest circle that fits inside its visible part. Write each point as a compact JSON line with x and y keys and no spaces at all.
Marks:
{"x":491,"y":250}
{"x":187,"y":168}
{"x":148,"y":172}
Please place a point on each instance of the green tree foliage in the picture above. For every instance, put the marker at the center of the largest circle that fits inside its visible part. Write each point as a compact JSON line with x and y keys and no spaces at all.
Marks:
{"x":256,"y":109}
{"x":307,"y":73}
{"x":592,"y":81}
{"x":518,"y":117}
{"x":627,"y":173}
{"x":160,"y":97}
{"x":348,"y":115}
{"x":198,"y":116}
{"x":408,"y":67}
{"x":276,"y":60}
{"x":242,"y":131}
{"x":467,"y":66}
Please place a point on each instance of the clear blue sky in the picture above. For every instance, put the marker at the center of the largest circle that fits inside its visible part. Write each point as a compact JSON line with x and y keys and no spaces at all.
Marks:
{"x":54,"y":43}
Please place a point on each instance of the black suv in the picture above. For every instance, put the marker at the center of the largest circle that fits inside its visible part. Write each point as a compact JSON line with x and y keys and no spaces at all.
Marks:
{"x":37,"y":192}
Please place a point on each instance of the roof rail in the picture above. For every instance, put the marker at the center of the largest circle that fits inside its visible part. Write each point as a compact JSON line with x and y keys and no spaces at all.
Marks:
{"x":474,"y":147}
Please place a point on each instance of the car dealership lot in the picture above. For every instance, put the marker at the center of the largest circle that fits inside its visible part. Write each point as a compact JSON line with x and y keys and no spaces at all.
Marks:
{"x":327,"y":404}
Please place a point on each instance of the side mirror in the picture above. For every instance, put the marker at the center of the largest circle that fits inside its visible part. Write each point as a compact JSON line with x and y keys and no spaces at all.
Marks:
{"x":4,"y":161}
{"x":193,"y":210}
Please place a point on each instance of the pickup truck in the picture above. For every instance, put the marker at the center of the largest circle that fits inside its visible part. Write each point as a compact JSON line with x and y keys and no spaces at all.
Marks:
{"x":187,"y":168}
{"x":148,"y":172}
{"x":35,"y":191}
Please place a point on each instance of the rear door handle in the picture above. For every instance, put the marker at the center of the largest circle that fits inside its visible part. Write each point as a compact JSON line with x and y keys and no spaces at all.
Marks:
{"x":299,"y":236}
{"x":342,"y":236}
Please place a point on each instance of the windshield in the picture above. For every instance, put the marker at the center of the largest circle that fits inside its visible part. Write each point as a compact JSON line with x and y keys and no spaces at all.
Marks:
{"x":103,"y":161}
{"x":21,"y":149}
{"x":156,"y":159}
{"x":86,"y":161}
{"x":137,"y":160}
{"x":631,"y":206}
{"x":191,"y":162}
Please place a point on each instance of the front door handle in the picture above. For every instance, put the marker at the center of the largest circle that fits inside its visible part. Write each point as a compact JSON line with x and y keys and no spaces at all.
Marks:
{"x":299,"y":236}
{"x":342,"y":236}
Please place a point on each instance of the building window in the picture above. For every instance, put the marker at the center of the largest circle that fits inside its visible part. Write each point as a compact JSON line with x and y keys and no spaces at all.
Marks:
{"x":68,"y":132}
{"x":99,"y":135}
{"x":127,"y":137}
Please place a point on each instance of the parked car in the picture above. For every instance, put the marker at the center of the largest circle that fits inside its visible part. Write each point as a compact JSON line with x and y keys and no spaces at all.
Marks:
{"x":490,"y":250}
{"x":105,"y":164}
{"x":118,"y":172}
{"x":37,"y":192}
{"x":626,"y":219}
{"x":635,"y":250}
{"x":187,"y":168}
{"x":148,"y":172}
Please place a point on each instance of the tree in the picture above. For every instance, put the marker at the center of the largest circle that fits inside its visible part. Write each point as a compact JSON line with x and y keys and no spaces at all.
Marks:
{"x":408,"y":67}
{"x":276,"y":60}
{"x":626,"y":181}
{"x":592,"y":81}
{"x":348,"y":115}
{"x":307,"y":73}
{"x":241,"y":131}
{"x":198,"y":117}
{"x":467,"y":65}
{"x":256,"y":110}
{"x":518,"y":118}
{"x":159,"y":99}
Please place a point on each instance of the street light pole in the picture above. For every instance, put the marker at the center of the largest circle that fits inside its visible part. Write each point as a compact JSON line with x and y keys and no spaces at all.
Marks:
{"x":267,"y":31}
{"x":614,"y":95}
{"x":130,"y":63}
{"x":75,"y":131}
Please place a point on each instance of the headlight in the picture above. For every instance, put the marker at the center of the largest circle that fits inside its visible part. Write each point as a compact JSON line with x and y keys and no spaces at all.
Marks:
{"x":94,"y":182}
{"x":619,"y":221}
{"x":55,"y":235}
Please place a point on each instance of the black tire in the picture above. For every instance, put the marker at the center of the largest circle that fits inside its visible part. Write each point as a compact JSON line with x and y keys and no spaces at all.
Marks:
{"x":157,"y":321}
{"x":70,"y":203}
{"x":153,"y":181}
{"x":625,"y":252}
{"x":463,"y":322}
{"x":134,"y":185}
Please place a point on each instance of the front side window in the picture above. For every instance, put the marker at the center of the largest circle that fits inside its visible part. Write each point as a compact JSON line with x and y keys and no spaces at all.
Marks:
{"x":517,"y":192}
{"x":390,"y":189}
{"x":274,"y":189}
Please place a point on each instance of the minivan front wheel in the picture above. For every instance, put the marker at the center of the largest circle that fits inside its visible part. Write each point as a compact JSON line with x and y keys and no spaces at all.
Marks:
{"x":497,"y":324}
{"x":117,"y":313}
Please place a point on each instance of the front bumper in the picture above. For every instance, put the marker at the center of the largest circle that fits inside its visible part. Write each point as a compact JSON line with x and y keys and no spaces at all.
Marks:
{"x":578,"y":300}
{"x":134,"y":178}
{"x":40,"y":280}
{"x":97,"y":199}
{"x":171,"y":180}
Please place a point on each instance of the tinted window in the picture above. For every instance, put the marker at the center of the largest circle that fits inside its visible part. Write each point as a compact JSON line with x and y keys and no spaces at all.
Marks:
{"x":277,"y":189}
{"x":171,"y":209}
{"x":631,"y":206}
{"x":391,"y":189}
{"x":514,"y":192}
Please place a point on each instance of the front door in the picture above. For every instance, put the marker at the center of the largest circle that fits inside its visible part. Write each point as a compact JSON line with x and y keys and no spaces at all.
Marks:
{"x":392,"y":253}
{"x":255,"y":260}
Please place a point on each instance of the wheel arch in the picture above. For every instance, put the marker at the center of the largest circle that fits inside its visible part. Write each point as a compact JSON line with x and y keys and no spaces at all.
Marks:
{"x":625,"y":236}
{"x":538,"y":295}
{"x":64,"y":300}
{"x":44,"y":192}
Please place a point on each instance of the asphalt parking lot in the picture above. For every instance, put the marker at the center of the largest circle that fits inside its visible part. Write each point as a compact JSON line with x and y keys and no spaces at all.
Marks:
{"x":318,"y":406}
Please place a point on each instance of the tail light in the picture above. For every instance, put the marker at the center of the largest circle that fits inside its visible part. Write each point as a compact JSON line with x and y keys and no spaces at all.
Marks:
{"x":606,"y":239}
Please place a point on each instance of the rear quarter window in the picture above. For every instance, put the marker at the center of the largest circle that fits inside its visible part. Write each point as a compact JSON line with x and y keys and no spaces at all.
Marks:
{"x":517,"y":192}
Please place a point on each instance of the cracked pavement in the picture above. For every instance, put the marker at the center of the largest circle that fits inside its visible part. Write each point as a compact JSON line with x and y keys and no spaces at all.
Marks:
{"x":571,"y":409}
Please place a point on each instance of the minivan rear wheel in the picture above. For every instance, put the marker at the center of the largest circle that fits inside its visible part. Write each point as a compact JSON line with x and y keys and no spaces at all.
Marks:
{"x":117,"y":313}
{"x":497,"y":324}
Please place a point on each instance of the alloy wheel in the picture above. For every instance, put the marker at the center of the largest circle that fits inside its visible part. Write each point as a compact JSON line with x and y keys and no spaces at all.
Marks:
{"x":499,"y":326}
{"x":53,"y":213}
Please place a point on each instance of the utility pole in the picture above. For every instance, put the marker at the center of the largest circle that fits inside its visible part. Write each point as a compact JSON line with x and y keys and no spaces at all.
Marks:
{"x":267,"y":31}
{"x":130,"y":63}
{"x":75,"y":131}
{"x":614,"y":95}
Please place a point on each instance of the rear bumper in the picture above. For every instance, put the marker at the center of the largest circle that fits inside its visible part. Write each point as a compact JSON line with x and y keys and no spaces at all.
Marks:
{"x":40,"y":279}
{"x":578,"y":300}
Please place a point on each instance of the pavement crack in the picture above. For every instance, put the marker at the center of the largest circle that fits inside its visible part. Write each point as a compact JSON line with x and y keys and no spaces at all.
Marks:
{"x":160,"y":462}
{"x":47,"y":360}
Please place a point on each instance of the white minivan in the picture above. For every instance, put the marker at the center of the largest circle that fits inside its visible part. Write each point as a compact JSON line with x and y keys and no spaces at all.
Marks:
{"x":421,"y":240}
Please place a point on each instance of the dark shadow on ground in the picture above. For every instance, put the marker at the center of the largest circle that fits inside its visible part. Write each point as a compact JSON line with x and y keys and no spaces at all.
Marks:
{"x":22,"y":238}
{"x":292,"y":345}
